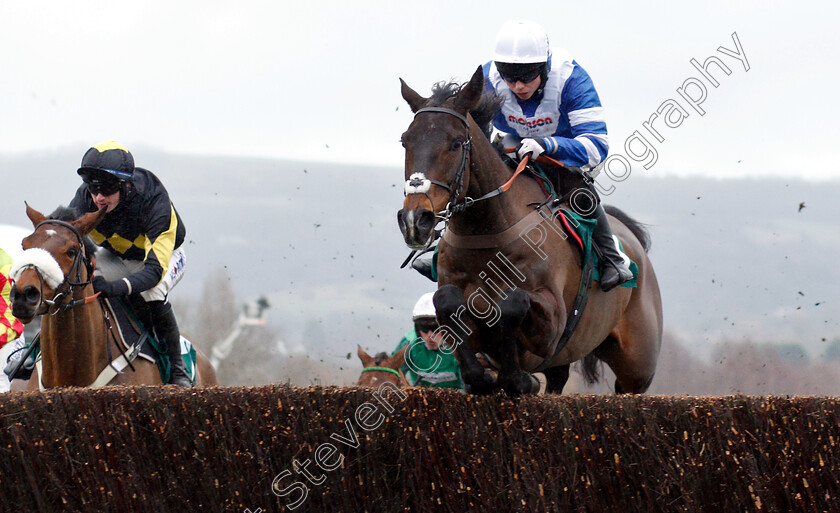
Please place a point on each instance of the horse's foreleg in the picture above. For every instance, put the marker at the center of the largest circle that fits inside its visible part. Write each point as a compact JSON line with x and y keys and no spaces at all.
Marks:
{"x":512,"y":378}
{"x":557,"y":378}
{"x":450,"y":307}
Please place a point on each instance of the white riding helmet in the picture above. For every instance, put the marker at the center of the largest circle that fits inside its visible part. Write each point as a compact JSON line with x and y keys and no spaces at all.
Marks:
{"x":521,"y":42}
{"x":424,"y":307}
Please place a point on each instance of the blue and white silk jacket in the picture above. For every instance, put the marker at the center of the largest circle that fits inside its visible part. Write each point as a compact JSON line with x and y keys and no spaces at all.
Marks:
{"x":567,"y":116}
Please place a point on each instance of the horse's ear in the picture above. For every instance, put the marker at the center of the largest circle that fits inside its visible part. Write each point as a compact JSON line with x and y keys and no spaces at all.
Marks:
{"x":366,"y":359}
{"x":398,"y":359}
{"x":469,"y":96}
{"x":34,"y":216}
{"x":415,"y":101}
{"x":89,"y":221}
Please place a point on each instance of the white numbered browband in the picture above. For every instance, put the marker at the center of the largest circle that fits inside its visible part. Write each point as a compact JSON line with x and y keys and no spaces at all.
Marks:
{"x":43,"y":262}
{"x":417,"y":183}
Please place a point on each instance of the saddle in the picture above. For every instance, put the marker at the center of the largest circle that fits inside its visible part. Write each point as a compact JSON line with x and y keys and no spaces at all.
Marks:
{"x":133,"y":315}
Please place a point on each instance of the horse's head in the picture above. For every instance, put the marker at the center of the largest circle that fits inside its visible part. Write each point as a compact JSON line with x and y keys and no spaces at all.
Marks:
{"x":54,"y":261}
{"x":437,"y":156}
{"x":380,"y":368}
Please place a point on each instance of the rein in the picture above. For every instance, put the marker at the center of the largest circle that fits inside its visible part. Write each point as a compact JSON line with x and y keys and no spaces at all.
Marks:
{"x":416,"y":182}
{"x":419,"y":184}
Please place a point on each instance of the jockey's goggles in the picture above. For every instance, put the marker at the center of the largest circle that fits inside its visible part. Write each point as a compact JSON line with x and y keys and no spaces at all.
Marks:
{"x":106,"y":188}
{"x":525,"y":73}
{"x":424,"y":325}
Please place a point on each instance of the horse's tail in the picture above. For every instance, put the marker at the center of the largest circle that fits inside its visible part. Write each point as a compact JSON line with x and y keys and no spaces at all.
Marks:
{"x":636,"y":227}
{"x":590,"y":369}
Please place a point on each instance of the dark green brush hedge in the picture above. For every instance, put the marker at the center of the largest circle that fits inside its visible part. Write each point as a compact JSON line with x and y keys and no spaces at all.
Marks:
{"x":346,"y":449}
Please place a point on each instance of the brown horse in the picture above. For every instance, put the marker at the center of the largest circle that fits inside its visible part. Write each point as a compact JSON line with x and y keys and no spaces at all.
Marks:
{"x":507,"y":282}
{"x":382,"y":368}
{"x":78,"y":345}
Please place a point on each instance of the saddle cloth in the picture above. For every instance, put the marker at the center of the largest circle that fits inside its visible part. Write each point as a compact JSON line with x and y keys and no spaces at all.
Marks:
{"x":580,"y":232}
{"x":132,"y":330}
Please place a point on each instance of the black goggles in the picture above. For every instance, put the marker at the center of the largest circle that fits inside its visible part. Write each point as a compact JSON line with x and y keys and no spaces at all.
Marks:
{"x":525,"y":73}
{"x":101,"y":187}
{"x":424,"y":325}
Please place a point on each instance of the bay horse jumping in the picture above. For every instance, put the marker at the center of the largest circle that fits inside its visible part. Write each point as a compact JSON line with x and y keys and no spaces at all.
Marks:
{"x":78,"y":346}
{"x":381,"y":368}
{"x":499,"y":293}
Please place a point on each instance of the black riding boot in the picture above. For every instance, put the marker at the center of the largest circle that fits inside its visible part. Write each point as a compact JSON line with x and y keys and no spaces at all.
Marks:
{"x":614,"y":270}
{"x":166,"y":329}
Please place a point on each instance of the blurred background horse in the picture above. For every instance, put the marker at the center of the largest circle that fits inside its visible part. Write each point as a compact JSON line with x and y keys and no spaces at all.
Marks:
{"x":382,"y":368}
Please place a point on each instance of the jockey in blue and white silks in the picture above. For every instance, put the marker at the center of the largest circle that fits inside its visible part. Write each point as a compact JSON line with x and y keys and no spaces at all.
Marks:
{"x":565,"y":113}
{"x":550,"y":107}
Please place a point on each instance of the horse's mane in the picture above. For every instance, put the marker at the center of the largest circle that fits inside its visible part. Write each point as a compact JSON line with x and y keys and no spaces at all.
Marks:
{"x":483,"y":114}
{"x":380,"y":357}
{"x":68,"y":214}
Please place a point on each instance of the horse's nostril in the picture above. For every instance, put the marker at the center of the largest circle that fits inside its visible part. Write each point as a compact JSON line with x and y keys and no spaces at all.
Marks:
{"x":31,"y":294}
{"x":426,"y":220}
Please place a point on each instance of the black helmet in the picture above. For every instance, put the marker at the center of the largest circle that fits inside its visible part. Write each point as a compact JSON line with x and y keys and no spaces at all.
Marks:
{"x":107,"y":158}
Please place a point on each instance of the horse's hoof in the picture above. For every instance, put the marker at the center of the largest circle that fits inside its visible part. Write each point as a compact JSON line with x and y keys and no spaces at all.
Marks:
{"x":520,"y":384}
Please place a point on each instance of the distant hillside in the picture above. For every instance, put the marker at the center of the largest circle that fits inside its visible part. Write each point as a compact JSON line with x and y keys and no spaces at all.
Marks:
{"x":736,"y":259}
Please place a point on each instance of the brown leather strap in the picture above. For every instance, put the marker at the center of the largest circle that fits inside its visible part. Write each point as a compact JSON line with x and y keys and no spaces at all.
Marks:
{"x":494,"y":240}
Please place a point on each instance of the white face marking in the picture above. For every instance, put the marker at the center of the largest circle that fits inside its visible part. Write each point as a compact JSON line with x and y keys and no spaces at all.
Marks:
{"x":51,"y":232}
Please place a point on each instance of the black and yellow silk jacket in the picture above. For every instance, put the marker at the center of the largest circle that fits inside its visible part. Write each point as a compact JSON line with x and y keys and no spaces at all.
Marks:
{"x":144,"y":226}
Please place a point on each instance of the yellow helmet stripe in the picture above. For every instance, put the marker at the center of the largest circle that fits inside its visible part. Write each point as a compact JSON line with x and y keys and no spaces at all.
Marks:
{"x":109,"y":145}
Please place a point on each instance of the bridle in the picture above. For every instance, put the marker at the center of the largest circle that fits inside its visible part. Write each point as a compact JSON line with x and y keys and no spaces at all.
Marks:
{"x":457,"y":183}
{"x":454,"y":187}
{"x":419,"y":184}
{"x":59,"y":302}
{"x":398,"y":373}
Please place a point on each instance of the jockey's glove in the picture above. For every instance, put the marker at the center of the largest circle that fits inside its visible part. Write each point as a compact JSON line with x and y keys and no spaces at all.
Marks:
{"x":109,"y":288}
{"x":535,"y":147}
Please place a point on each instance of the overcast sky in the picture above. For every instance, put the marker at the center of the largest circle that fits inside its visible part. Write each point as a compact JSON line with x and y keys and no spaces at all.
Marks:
{"x":318,"y":80}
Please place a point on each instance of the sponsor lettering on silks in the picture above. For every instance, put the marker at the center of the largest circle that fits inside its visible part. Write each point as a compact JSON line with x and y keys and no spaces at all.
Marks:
{"x":531,"y":123}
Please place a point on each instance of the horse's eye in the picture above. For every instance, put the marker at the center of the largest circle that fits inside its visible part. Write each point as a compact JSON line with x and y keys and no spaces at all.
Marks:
{"x":402,"y":142}
{"x":456,"y":144}
{"x":72,"y":252}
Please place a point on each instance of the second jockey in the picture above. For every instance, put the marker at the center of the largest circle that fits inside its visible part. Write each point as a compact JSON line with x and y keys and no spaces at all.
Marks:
{"x":141,"y":235}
